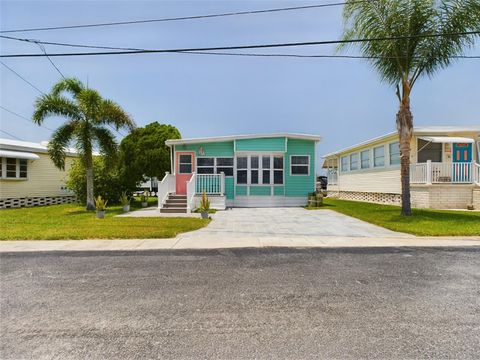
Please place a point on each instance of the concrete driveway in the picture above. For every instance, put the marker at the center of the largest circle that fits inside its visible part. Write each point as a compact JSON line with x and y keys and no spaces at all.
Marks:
{"x":287,"y":223}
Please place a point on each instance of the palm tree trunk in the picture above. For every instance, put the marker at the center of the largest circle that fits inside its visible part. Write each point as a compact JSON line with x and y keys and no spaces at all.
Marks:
{"x":405,"y":131}
{"x":89,"y":170}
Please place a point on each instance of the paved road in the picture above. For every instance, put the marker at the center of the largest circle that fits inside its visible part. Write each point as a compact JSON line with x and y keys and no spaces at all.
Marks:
{"x":260,"y":303}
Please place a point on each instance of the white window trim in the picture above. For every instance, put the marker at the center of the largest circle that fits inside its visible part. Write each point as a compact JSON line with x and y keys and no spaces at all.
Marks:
{"x":341,"y":164}
{"x":358,"y":161}
{"x":369,"y":159}
{"x":384,"y":156}
{"x":260,"y":169}
{"x":399,"y":153}
{"x":215,"y":165}
{"x":17,"y":170}
{"x":191,"y":163}
{"x":308,"y":165}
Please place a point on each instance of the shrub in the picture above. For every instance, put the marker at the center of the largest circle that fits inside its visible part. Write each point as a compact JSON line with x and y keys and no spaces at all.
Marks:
{"x":107,"y":183}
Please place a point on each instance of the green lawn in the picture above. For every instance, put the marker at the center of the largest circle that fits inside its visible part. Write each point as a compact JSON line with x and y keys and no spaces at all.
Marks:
{"x":71,"y":221}
{"x":423,"y":222}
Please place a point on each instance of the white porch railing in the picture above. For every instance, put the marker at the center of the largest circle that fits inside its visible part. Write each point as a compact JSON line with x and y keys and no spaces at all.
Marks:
{"x":165,"y":187}
{"x":476,"y":173}
{"x":191,"y":184}
{"x":444,"y":172}
{"x":212,"y":184}
{"x":332,"y":177}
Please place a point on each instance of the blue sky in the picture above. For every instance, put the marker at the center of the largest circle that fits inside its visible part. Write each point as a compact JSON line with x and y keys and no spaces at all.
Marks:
{"x":341,"y":100}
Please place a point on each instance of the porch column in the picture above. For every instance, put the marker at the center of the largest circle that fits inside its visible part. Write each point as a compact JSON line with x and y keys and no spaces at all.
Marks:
{"x":429,"y":172}
{"x":222,"y":183}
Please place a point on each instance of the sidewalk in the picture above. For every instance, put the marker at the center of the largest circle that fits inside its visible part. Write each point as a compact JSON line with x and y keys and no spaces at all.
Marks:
{"x":185,"y":242}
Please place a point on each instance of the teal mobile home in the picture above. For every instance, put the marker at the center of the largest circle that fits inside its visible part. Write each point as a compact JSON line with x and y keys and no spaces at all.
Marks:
{"x":244,"y":171}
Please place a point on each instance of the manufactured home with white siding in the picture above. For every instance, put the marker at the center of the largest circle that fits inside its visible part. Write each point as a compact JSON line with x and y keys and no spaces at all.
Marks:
{"x":242,"y":170}
{"x":29,"y":178}
{"x":444,"y":172}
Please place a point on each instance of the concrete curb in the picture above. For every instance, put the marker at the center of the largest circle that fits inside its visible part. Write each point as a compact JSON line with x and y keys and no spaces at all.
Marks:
{"x":184,"y":243}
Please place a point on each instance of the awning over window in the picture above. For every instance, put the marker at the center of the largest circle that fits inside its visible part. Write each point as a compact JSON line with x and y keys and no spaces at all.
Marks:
{"x":446,"y":139}
{"x":18,"y":155}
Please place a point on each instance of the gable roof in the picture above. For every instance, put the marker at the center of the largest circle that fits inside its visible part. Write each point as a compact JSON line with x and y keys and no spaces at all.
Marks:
{"x":424,"y":130}
{"x":237,"y":137}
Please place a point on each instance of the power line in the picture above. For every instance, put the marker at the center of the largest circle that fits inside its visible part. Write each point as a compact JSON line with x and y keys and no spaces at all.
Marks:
{"x":240,"y":47}
{"x":318,"y":56}
{"x":21,"y":77}
{"x":24,"y":117}
{"x":11,"y":135}
{"x":50,"y":60}
{"x":181,"y":18}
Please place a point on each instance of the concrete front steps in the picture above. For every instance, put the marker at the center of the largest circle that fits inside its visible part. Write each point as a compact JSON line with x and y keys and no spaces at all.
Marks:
{"x":175,"y":204}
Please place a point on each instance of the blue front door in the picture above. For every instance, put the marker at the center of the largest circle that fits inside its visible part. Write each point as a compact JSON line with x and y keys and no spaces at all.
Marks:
{"x":462,"y":157}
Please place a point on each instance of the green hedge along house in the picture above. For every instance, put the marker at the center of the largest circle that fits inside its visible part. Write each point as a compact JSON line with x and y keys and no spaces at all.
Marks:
{"x":264,"y":170}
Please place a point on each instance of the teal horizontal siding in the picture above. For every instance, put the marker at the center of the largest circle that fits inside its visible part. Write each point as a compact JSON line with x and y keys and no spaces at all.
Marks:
{"x":299,"y":185}
{"x":261,"y":144}
{"x":224,"y":148}
{"x":260,"y":190}
{"x":241,"y":190}
{"x":279,"y":191}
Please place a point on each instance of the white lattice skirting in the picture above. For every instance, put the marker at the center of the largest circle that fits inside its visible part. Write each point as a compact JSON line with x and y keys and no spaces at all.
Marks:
{"x":378,"y":198}
{"x":35,"y":201}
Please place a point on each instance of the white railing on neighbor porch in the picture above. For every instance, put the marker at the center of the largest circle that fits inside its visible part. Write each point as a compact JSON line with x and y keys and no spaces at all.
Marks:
{"x":476,"y":173}
{"x":191,"y":184}
{"x":165,"y":187}
{"x":212,"y":184}
{"x":332,"y":177}
{"x":444,"y":172}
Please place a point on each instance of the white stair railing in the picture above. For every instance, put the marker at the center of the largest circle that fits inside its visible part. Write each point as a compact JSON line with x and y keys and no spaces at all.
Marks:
{"x":191,"y":185}
{"x":165,"y":187}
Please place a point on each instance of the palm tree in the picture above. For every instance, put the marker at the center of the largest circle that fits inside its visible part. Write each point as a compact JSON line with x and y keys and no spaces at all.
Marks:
{"x":87,"y":114}
{"x":416,"y":51}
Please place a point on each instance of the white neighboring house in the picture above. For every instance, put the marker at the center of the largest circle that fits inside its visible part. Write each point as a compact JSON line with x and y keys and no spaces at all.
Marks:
{"x":444,"y":172}
{"x":29,"y":178}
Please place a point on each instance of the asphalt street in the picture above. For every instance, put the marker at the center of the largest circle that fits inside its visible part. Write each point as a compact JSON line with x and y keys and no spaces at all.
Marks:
{"x":243,"y":303}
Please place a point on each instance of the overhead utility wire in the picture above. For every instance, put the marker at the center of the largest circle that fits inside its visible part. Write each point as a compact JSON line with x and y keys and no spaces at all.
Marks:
{"x":23,"y":117}
{"x":240,"y":47}
{"x":11,"y":135}
{"x":314,"y":56}
{"x":41,"y":92}
{"x":21,"y":77}
{"x":181,"y":18}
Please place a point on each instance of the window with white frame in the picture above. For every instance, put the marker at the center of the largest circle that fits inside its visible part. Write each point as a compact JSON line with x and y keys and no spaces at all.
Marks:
{"x":185,"y":164}
{"x":344,"y":163}
{"x":266,"y":170}
{"x":242,"y":170}
{"x":394,"y":153}
{"x":299,"y":165}
{"x":278,"y":170}
{"x":11,"y":168}
{"x":379,"y":156}
{"x":225,"y":165}
{"x":260,"y":170}
{"x":354,"y":161}
{"x":212,"y":165}
{"x":205,"y":165}
{"x":365,"y":159}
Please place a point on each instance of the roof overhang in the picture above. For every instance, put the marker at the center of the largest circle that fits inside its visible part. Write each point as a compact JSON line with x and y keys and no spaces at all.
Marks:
{"x":315,"y":138}
{"x":18,"y":155}
{"x":446,"y":139}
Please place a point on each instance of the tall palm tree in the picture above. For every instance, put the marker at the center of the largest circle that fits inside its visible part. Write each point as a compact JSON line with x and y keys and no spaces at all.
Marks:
{"x":87,"y":114}
{"x":417,"y":52}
